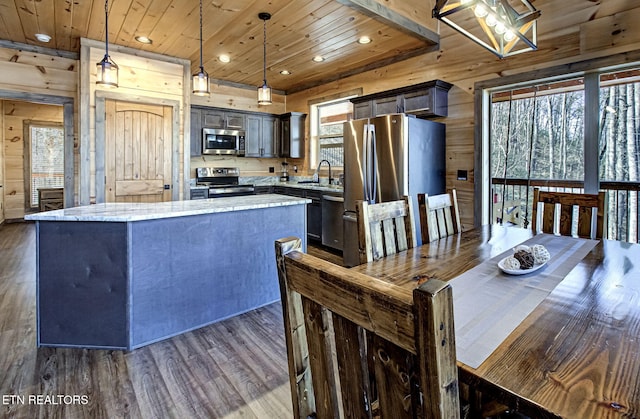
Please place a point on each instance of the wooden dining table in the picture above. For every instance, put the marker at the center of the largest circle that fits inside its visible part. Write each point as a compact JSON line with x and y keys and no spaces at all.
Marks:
{"x":576,"y":355}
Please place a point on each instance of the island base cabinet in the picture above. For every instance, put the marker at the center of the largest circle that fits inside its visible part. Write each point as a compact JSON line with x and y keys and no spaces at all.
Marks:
{"x":126,"y":285}
{"x":82,"y":293}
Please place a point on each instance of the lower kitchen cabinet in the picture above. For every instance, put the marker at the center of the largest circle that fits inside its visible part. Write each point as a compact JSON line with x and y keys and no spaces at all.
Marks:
{"x":263,"y":189}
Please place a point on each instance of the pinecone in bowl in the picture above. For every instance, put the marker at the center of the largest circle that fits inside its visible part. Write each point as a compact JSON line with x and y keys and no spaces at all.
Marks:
{"x":525,"y":258}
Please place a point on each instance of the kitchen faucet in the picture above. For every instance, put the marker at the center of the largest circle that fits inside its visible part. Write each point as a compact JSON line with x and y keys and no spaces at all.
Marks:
{"x":318,"y":170}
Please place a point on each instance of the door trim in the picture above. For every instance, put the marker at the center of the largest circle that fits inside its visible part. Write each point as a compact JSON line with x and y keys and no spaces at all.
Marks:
{"x":101,"y":115}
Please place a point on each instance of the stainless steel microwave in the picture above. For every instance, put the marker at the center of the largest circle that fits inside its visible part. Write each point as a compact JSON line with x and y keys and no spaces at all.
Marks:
{"x":223,"y":141}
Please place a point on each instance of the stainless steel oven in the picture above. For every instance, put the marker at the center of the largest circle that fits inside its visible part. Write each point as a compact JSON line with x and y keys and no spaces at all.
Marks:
{"x":223,"y":141}
{"x":220,"y":182}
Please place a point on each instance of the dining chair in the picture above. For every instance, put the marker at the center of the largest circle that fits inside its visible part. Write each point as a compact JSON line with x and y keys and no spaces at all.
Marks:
{"x":409,"y":338}
{"x":568,"y":214}
{"x":384,"y":228}
{"x":439,"y":215}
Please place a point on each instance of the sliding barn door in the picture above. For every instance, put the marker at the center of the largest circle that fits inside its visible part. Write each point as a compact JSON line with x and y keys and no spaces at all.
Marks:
{"x":138,"y":152}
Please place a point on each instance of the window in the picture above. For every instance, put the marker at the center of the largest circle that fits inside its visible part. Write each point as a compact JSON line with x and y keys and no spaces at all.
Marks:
{"x":538,"y":131}
{"x":543,"y":134}
{"x":45,"y":159}
{"x":326,"y":127}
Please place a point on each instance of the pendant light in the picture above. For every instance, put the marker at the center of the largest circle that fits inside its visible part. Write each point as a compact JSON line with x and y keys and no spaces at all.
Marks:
{"x":264,"y":91}
{"x":200,"y":80}
{"x":107,"y":69}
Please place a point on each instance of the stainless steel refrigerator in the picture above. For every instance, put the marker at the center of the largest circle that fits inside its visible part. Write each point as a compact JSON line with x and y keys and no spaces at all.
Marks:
{"x":386,"y":158}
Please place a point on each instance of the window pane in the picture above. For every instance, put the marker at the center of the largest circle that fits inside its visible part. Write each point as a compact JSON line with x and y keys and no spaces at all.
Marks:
{"x":47,"y":159}
{"x":541,"y":140}
{"x":620,"y":126}
{"x":619,"y":152}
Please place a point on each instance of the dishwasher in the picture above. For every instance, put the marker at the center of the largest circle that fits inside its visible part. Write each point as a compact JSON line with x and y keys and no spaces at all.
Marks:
{"x":332,"y":210}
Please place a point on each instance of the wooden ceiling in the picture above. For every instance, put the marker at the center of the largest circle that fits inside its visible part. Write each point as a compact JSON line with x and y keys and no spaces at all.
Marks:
{"x":297,"y":31}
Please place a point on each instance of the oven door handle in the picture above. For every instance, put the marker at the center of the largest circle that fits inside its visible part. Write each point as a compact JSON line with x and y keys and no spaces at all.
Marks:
{"x":215,"y":191}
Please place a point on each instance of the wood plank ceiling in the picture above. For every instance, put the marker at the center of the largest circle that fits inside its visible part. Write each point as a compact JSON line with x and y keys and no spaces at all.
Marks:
{"x":297,"y":31}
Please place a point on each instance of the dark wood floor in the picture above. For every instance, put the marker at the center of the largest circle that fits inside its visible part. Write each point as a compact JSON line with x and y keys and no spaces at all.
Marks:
{"x":233,"y":369}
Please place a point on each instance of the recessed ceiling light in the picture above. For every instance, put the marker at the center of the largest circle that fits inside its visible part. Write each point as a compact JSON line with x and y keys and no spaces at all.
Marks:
{"x":364,"y":40}
{"x":144,"y":40}
{"x":224,"y":58}
{"x":43,"y":37}
{"x":285,"y":72}
{"x":318,"y":58}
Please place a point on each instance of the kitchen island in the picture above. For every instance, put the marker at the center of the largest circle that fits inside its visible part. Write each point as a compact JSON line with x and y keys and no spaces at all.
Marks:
{"x":124,"y":275}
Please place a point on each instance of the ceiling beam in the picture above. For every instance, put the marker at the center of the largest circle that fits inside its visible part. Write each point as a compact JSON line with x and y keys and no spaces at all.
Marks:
{"x":368,"y":67}
{"x":383,"y":14}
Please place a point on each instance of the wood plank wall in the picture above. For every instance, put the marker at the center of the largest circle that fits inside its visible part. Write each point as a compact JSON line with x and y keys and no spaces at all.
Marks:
{"x":28,"y":74}
{"x":141,"y":77}
{"x":463,"y":63}
{"x":15,"y":114}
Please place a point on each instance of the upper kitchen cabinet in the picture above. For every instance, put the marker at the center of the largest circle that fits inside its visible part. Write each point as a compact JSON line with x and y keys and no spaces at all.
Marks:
{"x":292,"y":130}
{"x":196,"y":132}
{"x":217,"y":118}
{"x":424,"y":100}
{"x":261,"y":136}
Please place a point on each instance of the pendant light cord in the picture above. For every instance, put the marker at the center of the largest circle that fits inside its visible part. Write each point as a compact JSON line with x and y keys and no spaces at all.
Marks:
{"x":106,"y":27}
{"x":264,"y":52}
{"x":201,"y":67}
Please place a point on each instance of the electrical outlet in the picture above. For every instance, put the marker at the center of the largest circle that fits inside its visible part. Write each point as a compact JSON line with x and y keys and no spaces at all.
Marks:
{"x":272,"y":169}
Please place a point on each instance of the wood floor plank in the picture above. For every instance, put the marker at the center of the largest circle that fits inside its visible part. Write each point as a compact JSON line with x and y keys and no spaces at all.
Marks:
{"x":231,"y":370}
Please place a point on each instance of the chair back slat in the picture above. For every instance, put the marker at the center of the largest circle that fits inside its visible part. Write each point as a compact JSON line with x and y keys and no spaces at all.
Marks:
{"x":384,"y":229}
{"x":353,"y":370}
{"x":315,"y":320}
{"x":393,"y":377}
{"x":439,"y":215}
{"x":355,"y":342}
{"x":575,"y":213}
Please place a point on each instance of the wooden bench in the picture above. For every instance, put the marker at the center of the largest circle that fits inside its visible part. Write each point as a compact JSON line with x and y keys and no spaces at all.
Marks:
{"x":358,"y":347}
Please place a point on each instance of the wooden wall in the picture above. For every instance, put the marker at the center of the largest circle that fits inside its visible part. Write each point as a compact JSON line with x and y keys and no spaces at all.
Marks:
{"x":569,"y":36}
{"x":142,"y":77}
{"x":14,"y":116}
{"x":36,"y":75}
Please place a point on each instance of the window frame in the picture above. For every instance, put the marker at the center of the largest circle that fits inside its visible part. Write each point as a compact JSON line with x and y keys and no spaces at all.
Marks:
{"x":590,"y":70}
{"x":314,"y":123}
{"x":28,"y":172}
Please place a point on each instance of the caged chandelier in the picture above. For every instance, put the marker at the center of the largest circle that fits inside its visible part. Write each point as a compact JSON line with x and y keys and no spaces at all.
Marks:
{"x":504,"y":27}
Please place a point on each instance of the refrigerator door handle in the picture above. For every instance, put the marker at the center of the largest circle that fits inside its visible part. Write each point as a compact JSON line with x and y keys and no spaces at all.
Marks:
{"x":365,"y":152}
{"x":368,"y":163}
{"x":374,"y":168}
{"x":369,"y":153}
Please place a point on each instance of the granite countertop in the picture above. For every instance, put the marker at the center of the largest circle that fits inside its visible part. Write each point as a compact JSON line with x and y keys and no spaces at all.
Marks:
{"x":124,"y":212}
{"x":292,"y":183}
{"x":314,"y":186}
